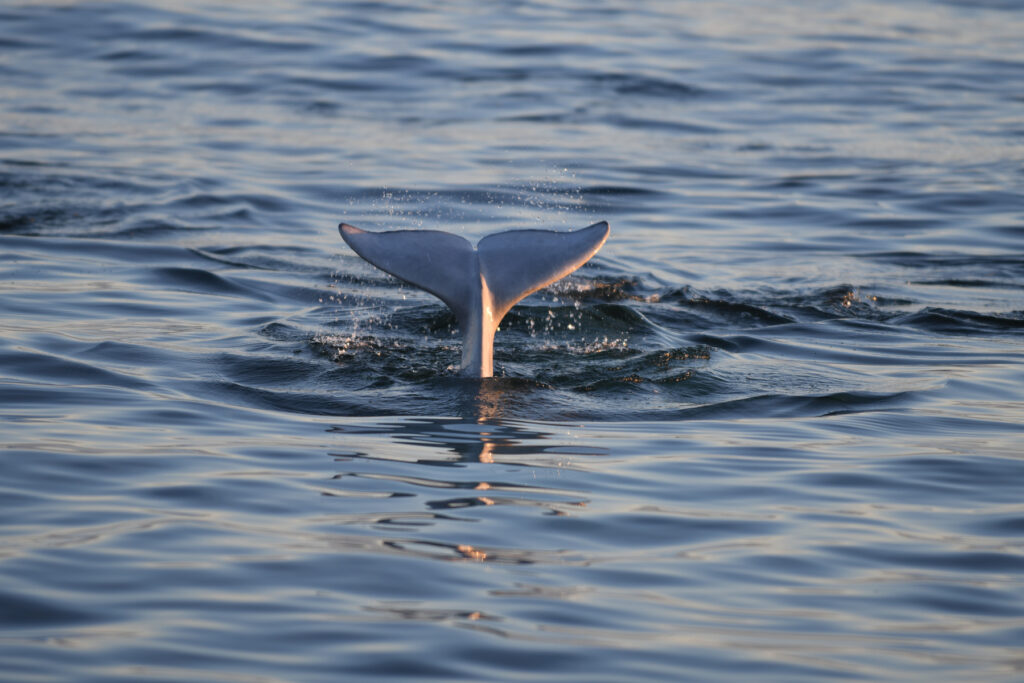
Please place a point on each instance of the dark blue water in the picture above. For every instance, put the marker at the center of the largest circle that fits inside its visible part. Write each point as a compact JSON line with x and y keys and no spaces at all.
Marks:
{"x":773,"y":430}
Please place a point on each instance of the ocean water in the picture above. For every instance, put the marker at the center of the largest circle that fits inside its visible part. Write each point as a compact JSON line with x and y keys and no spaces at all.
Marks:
{"x":773,"y":431}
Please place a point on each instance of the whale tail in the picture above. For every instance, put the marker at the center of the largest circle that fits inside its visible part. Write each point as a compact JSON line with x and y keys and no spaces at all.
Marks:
{"x":480,"y":285}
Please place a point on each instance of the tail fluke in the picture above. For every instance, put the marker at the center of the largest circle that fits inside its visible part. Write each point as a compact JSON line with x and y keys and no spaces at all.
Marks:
{"x":479,"y":285}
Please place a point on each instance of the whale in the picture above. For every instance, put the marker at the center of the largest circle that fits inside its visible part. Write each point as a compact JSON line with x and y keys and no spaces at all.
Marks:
{"x":479,"y":284}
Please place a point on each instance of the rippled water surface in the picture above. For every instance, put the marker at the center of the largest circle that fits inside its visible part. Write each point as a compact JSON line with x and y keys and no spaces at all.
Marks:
{"x":773,"y":430}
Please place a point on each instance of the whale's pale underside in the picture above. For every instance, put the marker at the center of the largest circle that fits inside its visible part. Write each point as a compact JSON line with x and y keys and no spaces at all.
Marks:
{"x":479,"y":284}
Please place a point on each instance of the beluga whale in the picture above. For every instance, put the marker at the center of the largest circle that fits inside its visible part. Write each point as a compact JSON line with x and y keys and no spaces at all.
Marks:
{"x":479,"y":284}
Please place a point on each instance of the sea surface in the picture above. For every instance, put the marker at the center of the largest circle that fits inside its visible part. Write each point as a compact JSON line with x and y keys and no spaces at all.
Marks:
{"x":773,"y":431}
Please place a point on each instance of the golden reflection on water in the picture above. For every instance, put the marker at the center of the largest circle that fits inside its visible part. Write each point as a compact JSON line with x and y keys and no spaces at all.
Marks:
{"x":471,"y":553}
{"x":489,"y":400}
{"x":488,"y":405}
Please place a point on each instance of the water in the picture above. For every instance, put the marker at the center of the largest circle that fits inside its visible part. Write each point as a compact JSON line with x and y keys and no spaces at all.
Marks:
{"x":772,"y":430}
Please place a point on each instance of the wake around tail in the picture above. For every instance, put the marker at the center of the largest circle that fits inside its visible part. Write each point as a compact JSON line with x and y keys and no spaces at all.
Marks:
{"x":479,"y":284}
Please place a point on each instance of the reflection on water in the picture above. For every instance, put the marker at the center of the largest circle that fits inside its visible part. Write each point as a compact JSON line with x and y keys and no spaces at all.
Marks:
{"x":487,"y":403}
{"x":450,"y":442}
{"x":481,"y":461}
